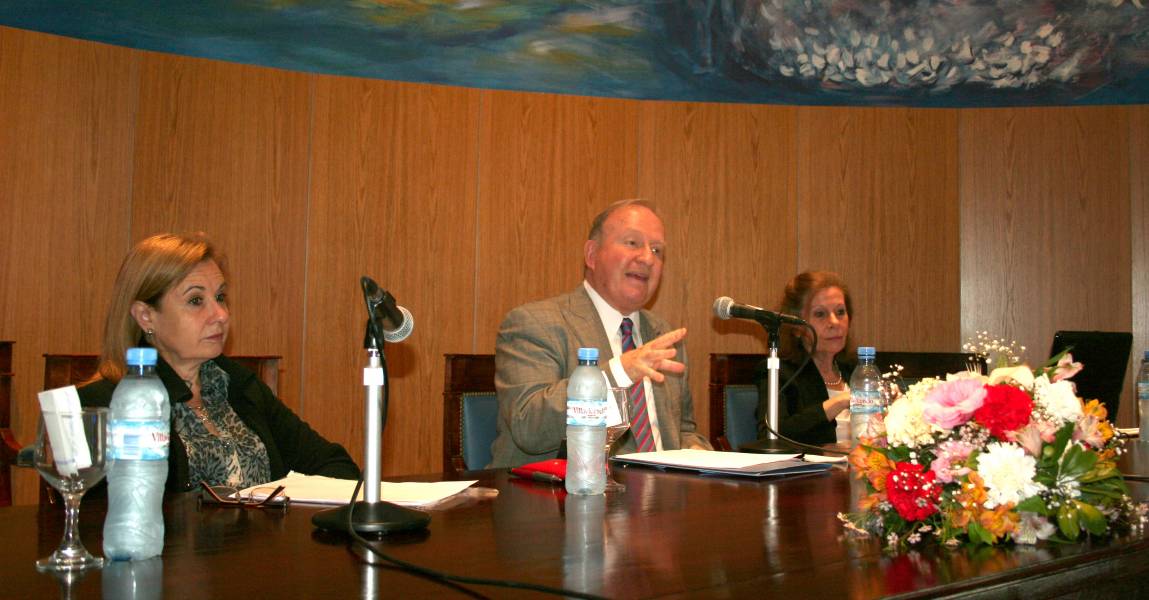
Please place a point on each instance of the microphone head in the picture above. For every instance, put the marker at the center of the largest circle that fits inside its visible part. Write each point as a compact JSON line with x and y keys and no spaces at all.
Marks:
{"x":404,"y":330}
{"x":722,"y":307}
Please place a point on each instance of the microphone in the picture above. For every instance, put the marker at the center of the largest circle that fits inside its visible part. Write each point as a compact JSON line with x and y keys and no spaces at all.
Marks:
{"x":395,"y":321}
{"x":726,"y":308}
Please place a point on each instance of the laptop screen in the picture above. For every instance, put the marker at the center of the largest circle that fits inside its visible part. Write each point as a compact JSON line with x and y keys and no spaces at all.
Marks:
{"x":1104,"y":356}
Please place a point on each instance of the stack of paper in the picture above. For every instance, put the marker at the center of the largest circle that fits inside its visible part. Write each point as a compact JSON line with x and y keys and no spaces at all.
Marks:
{"x":726,"y":463}
{"x":315,"y":489}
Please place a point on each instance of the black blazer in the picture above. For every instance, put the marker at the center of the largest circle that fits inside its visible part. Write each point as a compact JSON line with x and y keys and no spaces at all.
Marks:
{"x":800,"y":413}
{"x":292,"y":445}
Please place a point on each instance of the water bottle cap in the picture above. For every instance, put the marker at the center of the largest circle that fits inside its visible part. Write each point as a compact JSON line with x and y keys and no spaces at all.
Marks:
{"x":141,"y":356}
{"x":866,"y":352}
{"x":588,"y":353}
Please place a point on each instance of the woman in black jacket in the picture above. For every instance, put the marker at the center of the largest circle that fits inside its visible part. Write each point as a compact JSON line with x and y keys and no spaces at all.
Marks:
{"x":228,"y":428}
{"x":808,"y":407}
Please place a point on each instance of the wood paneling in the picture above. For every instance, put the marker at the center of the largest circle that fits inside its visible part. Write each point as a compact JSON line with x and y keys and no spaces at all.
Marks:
{"x":548,"y":164}
{"x":223,"y":148}
{"x":723,"y":178}
{"x":392,"y":197}
{"x":66,"y":108}
{"x":1045,"y":194}
{"x":878,"y":204}
{"x":1139,"y":238}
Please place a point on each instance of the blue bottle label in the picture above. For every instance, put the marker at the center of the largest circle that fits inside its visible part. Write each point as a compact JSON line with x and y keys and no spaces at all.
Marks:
{"x":138,"y":440}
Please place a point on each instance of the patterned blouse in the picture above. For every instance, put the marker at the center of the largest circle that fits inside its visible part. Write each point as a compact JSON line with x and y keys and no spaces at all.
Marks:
{"x":237,"y":457}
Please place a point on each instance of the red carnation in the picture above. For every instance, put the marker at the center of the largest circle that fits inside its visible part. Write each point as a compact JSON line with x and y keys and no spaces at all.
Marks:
{"x":913,"y":491}
{"x":1006,"y":409}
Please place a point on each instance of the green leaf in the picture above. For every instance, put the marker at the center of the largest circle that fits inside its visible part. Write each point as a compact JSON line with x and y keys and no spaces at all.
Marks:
{"x":1067,"y":521}
{"x":1034,"y":504}
{"x":1091,"y":518}
{"x":1076,"y":462}
{"x":979,"y":535}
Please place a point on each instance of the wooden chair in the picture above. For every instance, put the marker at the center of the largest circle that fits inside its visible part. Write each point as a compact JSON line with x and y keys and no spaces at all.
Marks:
{"x":733,"y":399}
{"x":74,"y":369}
{"x":470,"y":411}
{"x":9,"y":447}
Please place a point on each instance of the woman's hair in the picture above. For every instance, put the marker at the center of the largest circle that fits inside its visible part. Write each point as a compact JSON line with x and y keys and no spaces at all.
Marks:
{"x":796,"y":299}
{"x":149,"y":270}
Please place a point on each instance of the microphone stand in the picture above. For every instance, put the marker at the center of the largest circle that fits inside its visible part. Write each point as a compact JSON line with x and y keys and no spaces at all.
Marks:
{"x":371,"y":515}
{"x":772,"y":444}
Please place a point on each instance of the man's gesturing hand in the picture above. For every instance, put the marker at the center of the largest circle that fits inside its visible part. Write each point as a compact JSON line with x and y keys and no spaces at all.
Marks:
{"x":654,"y":357}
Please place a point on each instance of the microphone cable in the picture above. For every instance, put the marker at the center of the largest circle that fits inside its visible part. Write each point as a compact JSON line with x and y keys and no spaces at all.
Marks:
{"x":449,"y":579}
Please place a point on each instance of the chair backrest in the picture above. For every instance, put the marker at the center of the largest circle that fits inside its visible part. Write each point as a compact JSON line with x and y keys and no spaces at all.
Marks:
{"x":9,"y":447}
{"x":73,"y":369}
{"x":470,"y":411}
{"x":919,"y":365}
{"x":733,"y":399}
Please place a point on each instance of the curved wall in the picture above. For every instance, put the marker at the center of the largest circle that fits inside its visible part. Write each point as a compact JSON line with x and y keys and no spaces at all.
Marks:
{"x":465,"y":203}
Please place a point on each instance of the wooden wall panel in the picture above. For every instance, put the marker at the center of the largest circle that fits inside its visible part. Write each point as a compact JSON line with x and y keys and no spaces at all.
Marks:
{"x":877,"y":203}
{"x":66,"y":108}
{"x":723,"y":177}
{"x":1043,"y":192}
{"x":223,"y":148}
{"x":393,"y":197}
{"x":1139,"y":237}
{"x":548,"y":164}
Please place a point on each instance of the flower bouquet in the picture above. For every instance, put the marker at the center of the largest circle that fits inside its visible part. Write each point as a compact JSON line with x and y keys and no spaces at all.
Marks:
{"x":1015,"y":456}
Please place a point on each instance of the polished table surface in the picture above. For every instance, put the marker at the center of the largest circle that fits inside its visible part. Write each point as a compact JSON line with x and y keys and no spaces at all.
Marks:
{"x":669,"y":535}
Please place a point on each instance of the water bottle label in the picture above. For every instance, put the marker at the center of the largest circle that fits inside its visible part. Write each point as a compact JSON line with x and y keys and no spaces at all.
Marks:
{"x":1143,"y":391}
{"x":586,"y":413}
{"x":866,"y":401}
{"x":138,"y":440}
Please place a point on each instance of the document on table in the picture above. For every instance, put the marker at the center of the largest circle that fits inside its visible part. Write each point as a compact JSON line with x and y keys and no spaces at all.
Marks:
{"x":726,"y":463}
{"x":316,"y":489}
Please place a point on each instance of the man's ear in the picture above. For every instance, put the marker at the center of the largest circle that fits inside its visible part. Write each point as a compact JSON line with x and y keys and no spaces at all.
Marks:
{"x":588,"y":250}
{"x":144,"y":314}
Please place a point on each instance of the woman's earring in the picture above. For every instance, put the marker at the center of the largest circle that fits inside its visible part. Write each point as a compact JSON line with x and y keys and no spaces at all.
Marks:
{"x":150,"y":334}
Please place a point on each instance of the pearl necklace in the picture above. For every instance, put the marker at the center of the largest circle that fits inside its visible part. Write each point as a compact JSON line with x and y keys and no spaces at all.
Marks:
{"x":836,"y":382}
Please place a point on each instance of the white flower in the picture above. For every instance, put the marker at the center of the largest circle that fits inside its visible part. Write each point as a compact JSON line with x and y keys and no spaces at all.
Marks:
{"x":1059,"y":400}
{"x":1008,"y":474}
{"x":904,"y":423}
{"x":1032,"y":527}
{"x":1020,"y":375}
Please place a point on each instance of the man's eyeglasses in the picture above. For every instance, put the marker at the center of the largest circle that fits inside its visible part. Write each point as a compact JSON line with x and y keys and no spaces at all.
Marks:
{"x":228,"y":496}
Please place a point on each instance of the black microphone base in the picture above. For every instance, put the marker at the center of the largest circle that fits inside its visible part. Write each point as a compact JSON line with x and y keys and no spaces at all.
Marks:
{"x":769,"y":446}
{"x":372,"y":517}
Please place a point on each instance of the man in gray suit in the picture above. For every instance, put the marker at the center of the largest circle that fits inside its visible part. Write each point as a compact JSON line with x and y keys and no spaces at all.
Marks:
{"x":538,"y":342}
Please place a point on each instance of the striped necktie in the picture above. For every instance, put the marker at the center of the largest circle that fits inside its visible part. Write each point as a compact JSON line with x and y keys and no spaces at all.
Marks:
{"x":639,"y":420}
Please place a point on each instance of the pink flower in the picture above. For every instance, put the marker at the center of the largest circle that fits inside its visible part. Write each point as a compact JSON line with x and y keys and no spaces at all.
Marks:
{"x":1030,"y":437}
{"x":952,"y":403}
{"x":1065,"y":368}
{"x":950,"y":461}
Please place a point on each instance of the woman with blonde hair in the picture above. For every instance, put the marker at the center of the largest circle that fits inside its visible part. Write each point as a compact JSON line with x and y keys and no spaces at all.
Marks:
{"x":228,"y":428}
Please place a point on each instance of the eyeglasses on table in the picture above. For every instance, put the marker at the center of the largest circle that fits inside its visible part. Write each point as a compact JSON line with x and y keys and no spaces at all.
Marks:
{"x":222,"y":495}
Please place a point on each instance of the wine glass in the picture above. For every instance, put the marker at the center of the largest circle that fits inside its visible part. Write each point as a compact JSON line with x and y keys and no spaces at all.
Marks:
{"x":617,"y":422}
{"x":72,"y":483}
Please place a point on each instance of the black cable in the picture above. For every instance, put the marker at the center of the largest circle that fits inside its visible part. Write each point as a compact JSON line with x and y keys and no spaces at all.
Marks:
{"x":447,"y":578}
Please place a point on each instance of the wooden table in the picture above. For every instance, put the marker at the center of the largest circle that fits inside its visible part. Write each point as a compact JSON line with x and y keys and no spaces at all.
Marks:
{"x":669,"y":534}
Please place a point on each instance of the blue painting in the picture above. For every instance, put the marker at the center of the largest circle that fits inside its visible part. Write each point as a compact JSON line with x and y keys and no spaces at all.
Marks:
{"x":832,"y":52}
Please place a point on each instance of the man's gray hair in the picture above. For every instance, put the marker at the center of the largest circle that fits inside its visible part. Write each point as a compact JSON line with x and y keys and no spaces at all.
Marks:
{"x":596,"y":225}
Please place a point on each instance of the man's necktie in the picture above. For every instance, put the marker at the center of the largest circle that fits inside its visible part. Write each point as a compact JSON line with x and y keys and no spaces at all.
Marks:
{"x":639,"y":420}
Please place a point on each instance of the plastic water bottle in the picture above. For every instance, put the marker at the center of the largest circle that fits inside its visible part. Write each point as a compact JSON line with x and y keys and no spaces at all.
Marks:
{"x":586,"y":426}
{"x":138,"y":429}
{"x":865,"y":393}
{"x":1143,"y":396}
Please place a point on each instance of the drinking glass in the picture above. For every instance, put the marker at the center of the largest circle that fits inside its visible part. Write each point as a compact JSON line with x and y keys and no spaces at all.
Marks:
{"x":71,"y":555}
{"x":616,"y":425}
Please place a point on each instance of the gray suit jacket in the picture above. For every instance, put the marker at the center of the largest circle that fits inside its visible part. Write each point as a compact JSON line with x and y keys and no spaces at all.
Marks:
{"x":536,"y":351}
